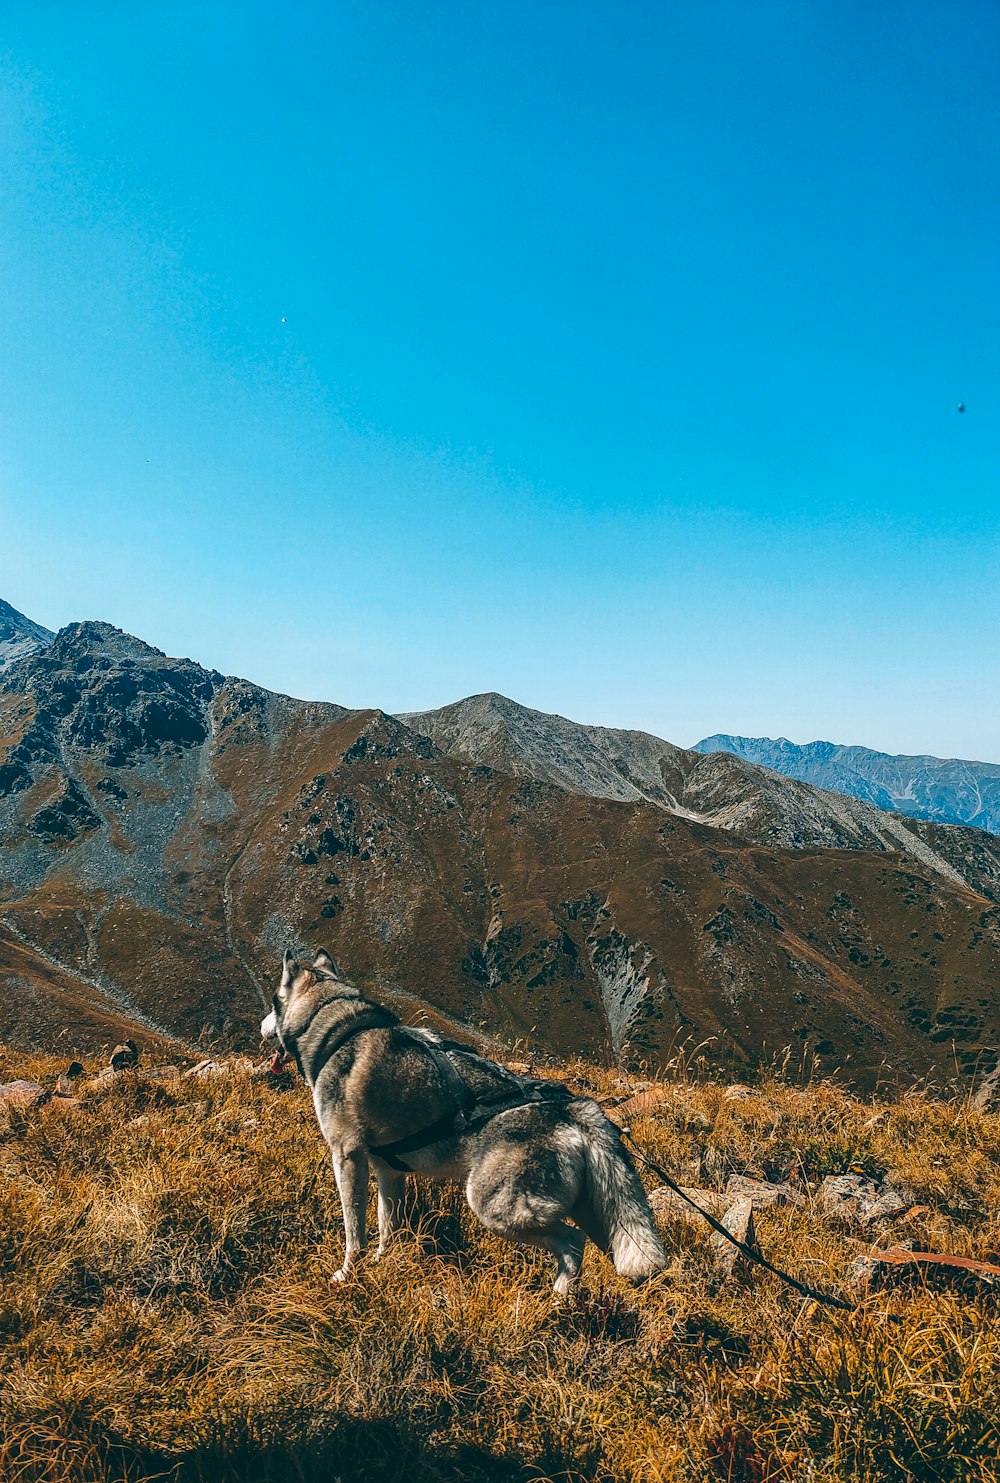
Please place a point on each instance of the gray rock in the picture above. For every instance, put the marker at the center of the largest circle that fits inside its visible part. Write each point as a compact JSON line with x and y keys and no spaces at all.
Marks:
{"x":206,"y":1070}
{"x":735,"y":1214}
{"x":761,"y":1193}
{"x":846,"y":1197}
{"x":890,"y":1204}
{"x":23,"y":1094}
{"x":738,"y":1221}
{"x":667,"y":1202}
{"x":68,"y":1081}
{"x":850,"y":1198}
{"x":987,"y":1095}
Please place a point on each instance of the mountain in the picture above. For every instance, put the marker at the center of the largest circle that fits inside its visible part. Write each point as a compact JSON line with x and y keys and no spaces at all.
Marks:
{"x":166,"y":831}
{"x":718,"y":788}
{"x":19,"y":636}
{"x":947,"y":790}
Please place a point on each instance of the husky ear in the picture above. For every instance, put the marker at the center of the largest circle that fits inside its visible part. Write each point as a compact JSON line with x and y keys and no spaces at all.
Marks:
{"x":324,"y":962}
{"x":289,"y":972}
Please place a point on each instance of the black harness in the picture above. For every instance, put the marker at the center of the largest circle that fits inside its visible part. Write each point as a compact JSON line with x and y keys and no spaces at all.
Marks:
{"x":470,"y":1113}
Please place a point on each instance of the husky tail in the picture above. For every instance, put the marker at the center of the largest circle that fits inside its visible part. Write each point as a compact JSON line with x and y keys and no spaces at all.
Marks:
{"x":615,"y":1212}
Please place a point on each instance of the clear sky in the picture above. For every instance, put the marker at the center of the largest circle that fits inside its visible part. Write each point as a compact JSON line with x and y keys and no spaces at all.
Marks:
{"x":604,"y":354}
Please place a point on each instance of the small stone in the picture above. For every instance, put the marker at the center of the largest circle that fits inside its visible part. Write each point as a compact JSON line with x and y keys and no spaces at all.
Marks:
{"x":762,"y":1194}
{"x":206,"y":1070}
{"x":846,"y":1197}
{"x":738,"y":1221}
{"x":648,"y":1100}
{"x":852,"y":1197}
{"x":735,"y":1214}
{"x":667,"y":1202}
{"x":66,"y":1085}
{"x":24,"y":1094}
{"x":125,"y":1056}
{"x":162,"y":1073}
{"x":890,"y":1205}
{"x":987,"y":1096}
{"x":862,"y":1271}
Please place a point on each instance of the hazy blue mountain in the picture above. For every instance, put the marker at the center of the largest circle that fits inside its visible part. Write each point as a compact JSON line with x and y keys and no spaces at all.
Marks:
{"x":948,"y":790}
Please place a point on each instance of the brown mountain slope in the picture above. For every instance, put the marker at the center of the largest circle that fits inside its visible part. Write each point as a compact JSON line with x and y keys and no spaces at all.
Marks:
{"x":166,"y":831}
{"x":45,"y":1004}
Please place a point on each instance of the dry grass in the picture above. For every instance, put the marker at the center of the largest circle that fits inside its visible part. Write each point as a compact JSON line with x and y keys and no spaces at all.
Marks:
{"x":168,"y":1309}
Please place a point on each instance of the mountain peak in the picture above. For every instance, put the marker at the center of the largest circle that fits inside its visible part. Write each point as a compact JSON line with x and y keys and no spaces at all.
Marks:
{"x":96,"y":638}
{"x":19,"y":636}
{"x":492,"y":729}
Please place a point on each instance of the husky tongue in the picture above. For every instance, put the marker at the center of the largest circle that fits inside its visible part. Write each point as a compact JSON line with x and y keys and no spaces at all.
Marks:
{"x":278,"y":1062}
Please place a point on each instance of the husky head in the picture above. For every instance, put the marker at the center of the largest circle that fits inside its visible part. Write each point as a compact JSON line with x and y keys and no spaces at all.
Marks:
{"x":296,"y":980}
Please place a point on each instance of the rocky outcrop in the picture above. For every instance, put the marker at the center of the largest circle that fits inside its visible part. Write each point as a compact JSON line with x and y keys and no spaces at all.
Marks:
{"x":19,"y":636}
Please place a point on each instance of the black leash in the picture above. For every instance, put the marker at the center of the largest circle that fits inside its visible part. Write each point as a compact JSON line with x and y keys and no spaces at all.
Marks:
{"x":748,"y":1251}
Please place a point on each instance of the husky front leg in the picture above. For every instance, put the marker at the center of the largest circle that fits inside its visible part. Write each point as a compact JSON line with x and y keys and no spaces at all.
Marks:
{"x":391,"y":1188}
{"x":350,"y":1168}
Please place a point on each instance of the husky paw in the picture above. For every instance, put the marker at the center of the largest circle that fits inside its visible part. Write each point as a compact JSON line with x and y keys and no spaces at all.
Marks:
{"x":351,"y":1262}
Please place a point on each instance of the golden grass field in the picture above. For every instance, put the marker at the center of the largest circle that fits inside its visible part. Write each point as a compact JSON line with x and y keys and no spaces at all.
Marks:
{"x":168,"y":1308}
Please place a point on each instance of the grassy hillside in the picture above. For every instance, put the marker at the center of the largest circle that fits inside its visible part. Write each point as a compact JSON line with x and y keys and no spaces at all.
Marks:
{"x":168,"y":1308}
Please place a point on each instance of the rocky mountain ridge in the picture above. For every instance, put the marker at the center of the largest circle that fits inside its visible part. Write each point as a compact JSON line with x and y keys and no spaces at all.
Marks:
{"x":19,"y":636}
{"x":166,"y":831}
{"x":944,"y":790}
{"x":718,"y":788}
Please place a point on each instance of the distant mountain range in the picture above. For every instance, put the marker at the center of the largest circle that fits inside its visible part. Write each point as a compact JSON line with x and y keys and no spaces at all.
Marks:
{"x":166,"y":830}
{"x":946,"y":789}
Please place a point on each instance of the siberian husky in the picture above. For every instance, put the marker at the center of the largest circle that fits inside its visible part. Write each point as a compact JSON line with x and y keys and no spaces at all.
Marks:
{"x":530,"y":1154}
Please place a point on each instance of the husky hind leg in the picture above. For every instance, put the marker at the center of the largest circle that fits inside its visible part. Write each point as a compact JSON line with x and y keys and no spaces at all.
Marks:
{"x":565,"y":1242}
{"x":525,"y":1190}
{"x":391,"y":1188}
{"x":567,"y":1245}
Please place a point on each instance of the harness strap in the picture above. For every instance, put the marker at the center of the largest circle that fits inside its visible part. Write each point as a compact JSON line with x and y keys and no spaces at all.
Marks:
{"x":389,"y":1152}
{"x":461,"y":1120}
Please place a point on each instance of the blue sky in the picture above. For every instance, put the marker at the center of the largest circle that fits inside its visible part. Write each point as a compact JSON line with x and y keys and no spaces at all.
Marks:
{"x":603,"y":354}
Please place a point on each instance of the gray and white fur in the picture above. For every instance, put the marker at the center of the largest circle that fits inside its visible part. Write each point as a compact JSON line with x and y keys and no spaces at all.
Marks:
{"x":531,"y":1156}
